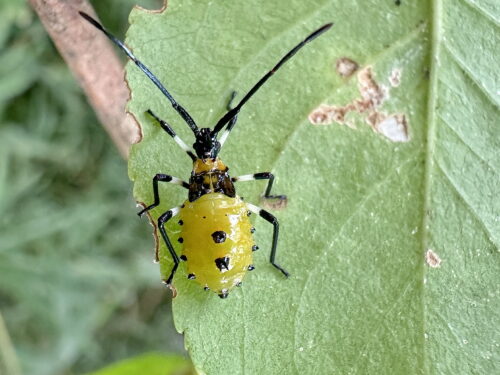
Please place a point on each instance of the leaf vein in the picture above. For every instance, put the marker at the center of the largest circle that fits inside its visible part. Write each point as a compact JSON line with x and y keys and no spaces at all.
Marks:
{"x":463,"y":66}
{"x":477,"y":8}
{"x":463,"y":198}
{"x":467,"y":144}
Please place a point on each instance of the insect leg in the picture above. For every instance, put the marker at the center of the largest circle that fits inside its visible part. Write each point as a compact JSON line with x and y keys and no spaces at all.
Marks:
{"x":165,"y":126}
{"x":231,"y":124}
{"x":161,"y":225}
{"x":261,"y":176}
{"x":267,"y":216}
{"x":162,"y":178}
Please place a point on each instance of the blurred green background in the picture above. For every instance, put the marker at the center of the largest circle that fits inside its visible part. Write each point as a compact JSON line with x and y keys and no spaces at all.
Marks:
{"x":78,"y":288}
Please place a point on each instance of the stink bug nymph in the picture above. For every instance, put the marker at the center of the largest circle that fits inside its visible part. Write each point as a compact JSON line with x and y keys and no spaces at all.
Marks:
{"x":216,"y":233}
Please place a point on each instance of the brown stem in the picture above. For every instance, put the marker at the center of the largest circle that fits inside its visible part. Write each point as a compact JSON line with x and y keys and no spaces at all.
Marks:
{"x":95,"y":65}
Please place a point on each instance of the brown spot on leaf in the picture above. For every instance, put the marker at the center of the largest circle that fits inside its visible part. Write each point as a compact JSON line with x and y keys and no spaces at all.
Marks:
{"x":346,"y":67}
{"x":325,"y":115}
{"x":374,"y":118}
{"x":372,"y":95}
{"x":321,"y":115}
{"x":432,"y":259}
{"x":152,"y":11}
{"x":171,"y":287}
{"x":278,"y":203}
{"x":137,"y":136}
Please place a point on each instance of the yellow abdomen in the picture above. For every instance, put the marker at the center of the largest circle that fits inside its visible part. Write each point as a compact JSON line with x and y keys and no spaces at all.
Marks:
{"x":217,"y":240}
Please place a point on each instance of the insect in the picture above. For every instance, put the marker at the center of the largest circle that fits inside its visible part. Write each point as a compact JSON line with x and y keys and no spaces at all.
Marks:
{"x":216,"y":232}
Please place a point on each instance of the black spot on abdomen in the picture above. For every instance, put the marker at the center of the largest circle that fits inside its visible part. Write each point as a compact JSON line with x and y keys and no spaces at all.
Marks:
{"x":219,"y":236}
{"x":222,"y":264}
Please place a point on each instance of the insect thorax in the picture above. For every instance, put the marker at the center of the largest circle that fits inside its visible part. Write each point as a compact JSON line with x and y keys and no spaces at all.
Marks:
{"x":210,"y":176}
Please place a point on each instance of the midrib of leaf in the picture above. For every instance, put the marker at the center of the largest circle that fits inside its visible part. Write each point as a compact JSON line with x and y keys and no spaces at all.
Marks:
{"x":431,"y":141}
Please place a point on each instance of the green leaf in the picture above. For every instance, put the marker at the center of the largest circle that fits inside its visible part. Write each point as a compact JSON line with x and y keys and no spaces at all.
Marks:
{"x":364,"y":211}
{"x":150,"y":364}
